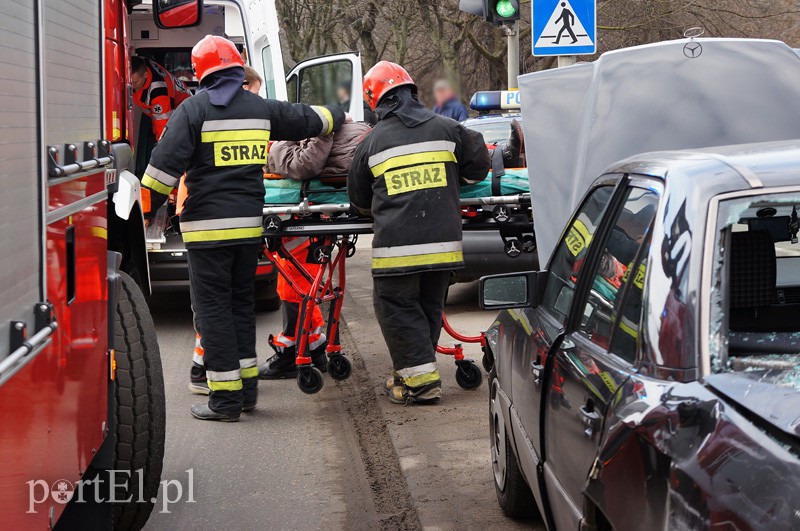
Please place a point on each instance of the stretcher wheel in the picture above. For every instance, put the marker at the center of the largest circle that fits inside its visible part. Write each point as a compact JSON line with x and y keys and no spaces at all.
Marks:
{"x":528,"y":243}
{"x":309,"y":380}
{"x":272,"y":223}
{"x":513,"y":247}
{"x":339,"y":367}
{"x":501,"y":214}
{"x":468,"y":375}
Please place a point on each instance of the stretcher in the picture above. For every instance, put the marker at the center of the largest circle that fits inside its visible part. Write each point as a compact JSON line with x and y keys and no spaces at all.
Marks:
{"x":319,"y":210}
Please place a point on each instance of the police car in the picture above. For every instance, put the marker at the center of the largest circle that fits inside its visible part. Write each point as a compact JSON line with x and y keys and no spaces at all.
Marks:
{"x":485,"y":252}
{"x":497,"y":109}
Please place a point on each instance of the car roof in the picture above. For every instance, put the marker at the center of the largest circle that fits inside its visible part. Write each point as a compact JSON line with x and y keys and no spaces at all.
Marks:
{"x":488,"y":118}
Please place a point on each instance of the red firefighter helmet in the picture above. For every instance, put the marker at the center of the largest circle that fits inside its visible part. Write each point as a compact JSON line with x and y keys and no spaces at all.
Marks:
{"x":382,"y":78}
{"x":213,"y":54}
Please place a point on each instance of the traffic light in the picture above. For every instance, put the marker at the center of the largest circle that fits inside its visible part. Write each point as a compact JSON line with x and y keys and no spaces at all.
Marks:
{"x":502,"y":11}
{"x":494,"y":11}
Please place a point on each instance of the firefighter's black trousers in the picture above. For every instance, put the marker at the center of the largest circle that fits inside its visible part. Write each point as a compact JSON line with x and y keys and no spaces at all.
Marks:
{"x":223,"y":290}
{"x":409,"y":310}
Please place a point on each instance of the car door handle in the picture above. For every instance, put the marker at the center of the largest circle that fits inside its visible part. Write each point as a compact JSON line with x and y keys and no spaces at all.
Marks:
{"x":591,"y":419}
{"x":537,"y":368}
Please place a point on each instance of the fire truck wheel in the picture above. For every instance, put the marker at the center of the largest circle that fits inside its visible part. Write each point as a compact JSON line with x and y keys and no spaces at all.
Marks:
{"x":140,"y":411}
{"x":267,"y":295}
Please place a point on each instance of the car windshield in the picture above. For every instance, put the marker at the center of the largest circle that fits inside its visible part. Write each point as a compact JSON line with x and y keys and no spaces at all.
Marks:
{"x":755,"y":296}
{"x":493,"y":132}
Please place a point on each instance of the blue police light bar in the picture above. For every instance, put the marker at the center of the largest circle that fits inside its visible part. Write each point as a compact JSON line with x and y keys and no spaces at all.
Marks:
{"x":495,"y":100}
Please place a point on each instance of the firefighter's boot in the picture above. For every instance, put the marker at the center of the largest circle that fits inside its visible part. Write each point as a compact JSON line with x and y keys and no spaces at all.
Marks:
{"x":417,"y":389}
{"x":391,"y":382}
{"x":203,"y":412}
{"x":282,"y":364}
{"x":198,"y":384}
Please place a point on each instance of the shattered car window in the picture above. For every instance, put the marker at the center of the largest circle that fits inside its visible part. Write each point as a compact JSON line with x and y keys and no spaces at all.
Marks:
{"x":755,"y":297}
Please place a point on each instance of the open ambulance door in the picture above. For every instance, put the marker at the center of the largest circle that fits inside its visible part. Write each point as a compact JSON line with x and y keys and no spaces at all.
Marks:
{"x":329,"y":80}
{"x":263,"y":29}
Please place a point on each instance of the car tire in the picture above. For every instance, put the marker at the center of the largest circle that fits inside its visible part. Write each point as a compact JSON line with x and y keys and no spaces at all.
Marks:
{"x":267,"y":298}
{"x":140,"y":410}
{"x":513,"y":493}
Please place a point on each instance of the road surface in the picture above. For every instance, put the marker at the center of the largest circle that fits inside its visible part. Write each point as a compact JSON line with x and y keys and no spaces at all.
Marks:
{"x":344,"y":458}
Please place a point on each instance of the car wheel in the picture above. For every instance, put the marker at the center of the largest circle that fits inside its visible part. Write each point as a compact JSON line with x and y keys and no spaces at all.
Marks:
{"x":140,"y":410}
{"x":267,"y":295}
{"x":513,"y":493}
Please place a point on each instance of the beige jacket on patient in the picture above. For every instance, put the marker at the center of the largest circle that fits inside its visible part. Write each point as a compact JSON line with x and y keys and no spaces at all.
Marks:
{"x":319,"y":156}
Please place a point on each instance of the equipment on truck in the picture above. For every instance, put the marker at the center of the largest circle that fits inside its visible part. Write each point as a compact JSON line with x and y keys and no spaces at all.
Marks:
{"x":80,"y":368}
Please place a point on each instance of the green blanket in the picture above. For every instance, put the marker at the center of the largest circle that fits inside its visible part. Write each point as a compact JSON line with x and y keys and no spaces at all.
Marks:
{"x":291,"y":192}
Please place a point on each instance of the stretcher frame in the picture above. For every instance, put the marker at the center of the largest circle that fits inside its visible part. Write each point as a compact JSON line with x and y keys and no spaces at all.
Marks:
{"x":333,"y":231}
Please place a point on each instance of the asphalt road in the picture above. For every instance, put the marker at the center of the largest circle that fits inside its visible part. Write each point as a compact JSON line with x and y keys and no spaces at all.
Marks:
{"x":344,"y":458}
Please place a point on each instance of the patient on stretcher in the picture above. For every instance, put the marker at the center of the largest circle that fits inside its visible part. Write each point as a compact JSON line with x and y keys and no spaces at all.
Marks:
{"x":300,"y":161}
{"x":319,"y":156}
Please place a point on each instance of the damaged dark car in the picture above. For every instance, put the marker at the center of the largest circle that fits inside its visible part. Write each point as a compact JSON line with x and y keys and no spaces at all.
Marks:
{"x":649,"y":376}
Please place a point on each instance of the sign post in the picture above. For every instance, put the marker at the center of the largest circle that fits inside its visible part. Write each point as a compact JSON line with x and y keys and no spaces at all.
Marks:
{"x":564,"y":28}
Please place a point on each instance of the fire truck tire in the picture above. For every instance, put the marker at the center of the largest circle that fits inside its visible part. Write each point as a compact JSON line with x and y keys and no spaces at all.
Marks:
{"x":140,"y":410}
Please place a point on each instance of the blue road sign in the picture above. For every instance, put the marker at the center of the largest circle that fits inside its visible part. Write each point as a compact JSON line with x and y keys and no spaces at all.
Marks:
{"x":564,"y":27}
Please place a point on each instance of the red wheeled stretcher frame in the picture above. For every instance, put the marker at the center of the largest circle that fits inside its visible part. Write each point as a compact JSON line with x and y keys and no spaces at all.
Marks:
{"x":333,"y":234}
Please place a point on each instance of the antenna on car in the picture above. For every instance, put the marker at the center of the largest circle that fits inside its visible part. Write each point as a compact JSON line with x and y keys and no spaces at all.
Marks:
{"x":694,"y":32}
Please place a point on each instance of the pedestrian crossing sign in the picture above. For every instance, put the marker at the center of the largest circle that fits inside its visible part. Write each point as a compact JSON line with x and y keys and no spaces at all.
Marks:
{"x":564,"y":27}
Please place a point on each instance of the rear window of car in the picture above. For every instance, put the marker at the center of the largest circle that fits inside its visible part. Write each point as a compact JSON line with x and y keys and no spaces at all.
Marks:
{"x":755,"y":291}
{"x":493,"y":132}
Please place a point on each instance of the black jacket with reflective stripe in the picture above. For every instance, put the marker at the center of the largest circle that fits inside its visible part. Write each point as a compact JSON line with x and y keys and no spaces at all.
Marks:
{"x":222,"y":150}
{"x":409,"y":177}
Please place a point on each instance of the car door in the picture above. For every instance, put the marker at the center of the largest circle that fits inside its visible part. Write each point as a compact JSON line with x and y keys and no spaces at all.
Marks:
{"x":329,"y":80}
{"x":537,"y":330}
{"x":598,"y":350}
{"x":262,"y":27}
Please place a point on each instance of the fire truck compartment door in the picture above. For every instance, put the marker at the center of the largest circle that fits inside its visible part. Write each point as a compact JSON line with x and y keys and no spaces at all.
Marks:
{"x":21,"y":284}
{"x":324,"y":80}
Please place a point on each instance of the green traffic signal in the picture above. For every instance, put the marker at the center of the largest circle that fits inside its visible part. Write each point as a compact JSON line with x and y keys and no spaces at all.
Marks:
{"x":505,"y":8}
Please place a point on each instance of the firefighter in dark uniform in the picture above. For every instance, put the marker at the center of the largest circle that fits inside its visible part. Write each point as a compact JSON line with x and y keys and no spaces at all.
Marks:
{"x":219,"y":138}
{"x":406,"y":173}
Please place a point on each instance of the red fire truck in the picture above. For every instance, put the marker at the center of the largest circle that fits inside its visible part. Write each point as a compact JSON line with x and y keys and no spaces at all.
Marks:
{"x":81,"y":388}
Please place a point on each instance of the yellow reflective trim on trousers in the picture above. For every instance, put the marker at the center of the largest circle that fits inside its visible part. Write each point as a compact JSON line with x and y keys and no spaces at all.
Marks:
{"x":155,"y":185}
{"x":409,"y":160}
{"x":230,"y":385}
{"x":232,"y":136}
{"x":221,"y":234}
{"x":418,"y":260}
{"x":422,"y":379}
{"x":249,"y":372}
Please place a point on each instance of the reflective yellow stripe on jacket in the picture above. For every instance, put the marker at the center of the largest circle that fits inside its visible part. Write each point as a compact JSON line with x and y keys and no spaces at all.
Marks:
{"x":159,"y":180}
{"x":212,"y":230}
{"x":237,"y":142}
{"x":412,"y":154}
{"x":402,"y":256}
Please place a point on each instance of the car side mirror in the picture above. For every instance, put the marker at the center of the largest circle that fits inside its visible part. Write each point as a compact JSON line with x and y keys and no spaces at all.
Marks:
{"x":169,"y":14}
{"x":512,"y":290}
